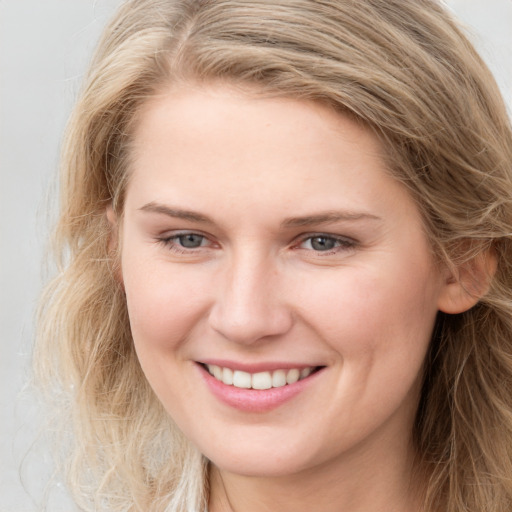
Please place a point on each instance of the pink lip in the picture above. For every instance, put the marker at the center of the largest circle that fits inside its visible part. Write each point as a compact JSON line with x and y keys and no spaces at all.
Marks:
{"x":252,"y":400}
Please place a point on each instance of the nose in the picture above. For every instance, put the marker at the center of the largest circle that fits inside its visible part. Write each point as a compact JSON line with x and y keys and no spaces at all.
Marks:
{"x":250,"y":303}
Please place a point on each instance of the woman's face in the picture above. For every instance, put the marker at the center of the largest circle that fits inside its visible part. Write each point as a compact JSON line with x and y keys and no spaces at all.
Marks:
{"x":263,"y":242}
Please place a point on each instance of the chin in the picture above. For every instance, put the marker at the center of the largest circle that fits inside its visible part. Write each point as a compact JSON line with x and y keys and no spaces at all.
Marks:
{"x":256,"y":462}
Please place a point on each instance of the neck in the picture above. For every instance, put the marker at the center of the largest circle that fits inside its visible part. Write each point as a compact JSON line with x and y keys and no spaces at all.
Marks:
{"x":377,"y":478}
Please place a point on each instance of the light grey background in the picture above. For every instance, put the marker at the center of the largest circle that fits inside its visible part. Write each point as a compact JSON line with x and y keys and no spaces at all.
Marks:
{"x":44,"y":49}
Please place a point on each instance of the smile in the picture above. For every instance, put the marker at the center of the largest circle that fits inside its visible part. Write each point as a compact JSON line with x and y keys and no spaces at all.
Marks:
{"x":260,"y":380}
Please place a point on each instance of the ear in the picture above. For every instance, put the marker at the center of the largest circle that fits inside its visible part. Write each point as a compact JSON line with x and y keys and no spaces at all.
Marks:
{"x":467,"y":283}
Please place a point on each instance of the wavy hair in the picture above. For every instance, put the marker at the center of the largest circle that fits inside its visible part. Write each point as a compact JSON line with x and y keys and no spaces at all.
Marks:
{"x":404,"y":69}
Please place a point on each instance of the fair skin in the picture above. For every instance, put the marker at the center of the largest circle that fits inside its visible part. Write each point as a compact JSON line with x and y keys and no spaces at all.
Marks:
{"x":265,"y":236}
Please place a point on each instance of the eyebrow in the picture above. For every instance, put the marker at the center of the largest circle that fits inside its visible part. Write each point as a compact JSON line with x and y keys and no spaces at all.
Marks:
{"x":328,"y":217}
{"x":319,"y":218}
{"x":177,"y":213}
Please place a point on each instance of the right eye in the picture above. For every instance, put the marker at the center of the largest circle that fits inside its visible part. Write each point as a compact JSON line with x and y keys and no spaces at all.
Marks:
{"x":185,"y":242}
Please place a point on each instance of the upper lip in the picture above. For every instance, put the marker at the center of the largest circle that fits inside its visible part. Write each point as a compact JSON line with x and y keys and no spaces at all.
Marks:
{"x":268,"y":366}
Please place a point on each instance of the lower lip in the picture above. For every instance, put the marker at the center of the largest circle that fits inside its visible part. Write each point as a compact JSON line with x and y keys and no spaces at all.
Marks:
{"x":255,"y":400}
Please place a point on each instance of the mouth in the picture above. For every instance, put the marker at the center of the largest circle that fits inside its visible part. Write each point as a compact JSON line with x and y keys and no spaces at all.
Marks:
{"x":258,"y":387}
{"x":278,"y":378}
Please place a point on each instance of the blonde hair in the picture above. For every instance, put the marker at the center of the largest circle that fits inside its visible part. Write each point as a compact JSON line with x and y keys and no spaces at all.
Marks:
{"x":403,"y":68}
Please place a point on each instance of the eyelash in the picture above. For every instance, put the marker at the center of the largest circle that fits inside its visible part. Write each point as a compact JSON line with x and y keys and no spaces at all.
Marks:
{"x":341,"y":243}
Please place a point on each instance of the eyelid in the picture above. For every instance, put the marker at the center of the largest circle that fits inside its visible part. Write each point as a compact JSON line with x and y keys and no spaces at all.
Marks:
{"x":173,"y":233}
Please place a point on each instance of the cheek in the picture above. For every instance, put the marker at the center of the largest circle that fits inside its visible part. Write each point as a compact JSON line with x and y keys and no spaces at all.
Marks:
{"x":380,"y":328}
{"x":165,"y":310}
{"x":164,"y":303}
{"x":388,"y":311}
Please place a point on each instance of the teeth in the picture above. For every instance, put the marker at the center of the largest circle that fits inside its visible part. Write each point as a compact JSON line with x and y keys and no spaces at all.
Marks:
{"x":241,"y":379}
{"x":292,"y":376}
{"x":305,"y":372}
{"x":279,"y":378}
{"x":227,"y":376}
{"x":217,"y":372}
{"x":260,"y":380}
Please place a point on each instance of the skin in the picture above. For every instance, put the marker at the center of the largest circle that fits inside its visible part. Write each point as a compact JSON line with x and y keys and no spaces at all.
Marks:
{"x":260,"y":176}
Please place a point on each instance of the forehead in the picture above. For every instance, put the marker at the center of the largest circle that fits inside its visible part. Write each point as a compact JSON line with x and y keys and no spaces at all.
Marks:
{"x":220,"y":146}
{"x":220,"y":116}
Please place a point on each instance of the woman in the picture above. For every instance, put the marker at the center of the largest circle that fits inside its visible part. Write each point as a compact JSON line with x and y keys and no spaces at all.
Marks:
{"x":285,"y":252}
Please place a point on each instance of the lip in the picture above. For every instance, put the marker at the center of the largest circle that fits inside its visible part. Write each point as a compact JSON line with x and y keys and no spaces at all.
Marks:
{"x":253,"y":400}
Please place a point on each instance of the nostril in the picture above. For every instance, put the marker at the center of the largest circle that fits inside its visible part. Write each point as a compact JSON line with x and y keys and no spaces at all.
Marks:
{"x":250,"y":323}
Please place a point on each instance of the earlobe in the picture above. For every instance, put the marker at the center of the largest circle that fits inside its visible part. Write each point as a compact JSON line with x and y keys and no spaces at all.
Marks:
{"x":467,"y":283}
{"x":111,"y":216}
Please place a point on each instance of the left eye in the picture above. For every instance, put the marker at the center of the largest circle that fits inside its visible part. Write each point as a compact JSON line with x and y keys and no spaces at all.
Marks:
{"x":190,"y":240}
{"x":323,"y":243}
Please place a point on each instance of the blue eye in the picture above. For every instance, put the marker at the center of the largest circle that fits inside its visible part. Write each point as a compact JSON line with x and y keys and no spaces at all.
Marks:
{"x":190,"y":240}
{"x":322,"y":243}
{"x":184,"y":242}
{"x":325,"y":243}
